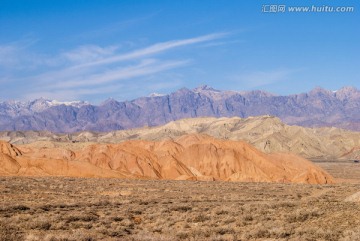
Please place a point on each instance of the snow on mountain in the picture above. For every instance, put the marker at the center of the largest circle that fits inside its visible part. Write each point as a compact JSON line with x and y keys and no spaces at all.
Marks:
{"x":156,"y":95}
{"x":13,"y":107}
{"x":316,"y":108}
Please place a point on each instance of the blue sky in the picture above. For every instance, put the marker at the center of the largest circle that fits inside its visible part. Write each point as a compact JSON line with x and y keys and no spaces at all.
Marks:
{"x":93,"y":50}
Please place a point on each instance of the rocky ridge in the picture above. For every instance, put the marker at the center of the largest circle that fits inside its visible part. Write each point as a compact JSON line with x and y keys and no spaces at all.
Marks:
{"x":318,"y":108}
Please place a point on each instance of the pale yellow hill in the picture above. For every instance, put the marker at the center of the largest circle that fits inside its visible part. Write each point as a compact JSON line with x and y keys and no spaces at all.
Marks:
{"x":266,"y":133}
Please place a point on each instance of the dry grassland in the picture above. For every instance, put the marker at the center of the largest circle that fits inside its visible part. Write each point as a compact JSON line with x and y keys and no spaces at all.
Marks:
{"x":113,"y":209}
{"x":343,"y":171}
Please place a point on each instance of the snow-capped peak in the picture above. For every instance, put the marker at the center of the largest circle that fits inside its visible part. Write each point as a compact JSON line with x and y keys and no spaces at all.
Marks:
{"x":156,"y":95}
{"x":76,"y":103}
{"x":42,"y":104}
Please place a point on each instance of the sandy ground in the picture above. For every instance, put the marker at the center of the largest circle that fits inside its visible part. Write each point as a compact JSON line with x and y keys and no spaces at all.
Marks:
{"x":113,"y":209}
{"x":343,"y":171}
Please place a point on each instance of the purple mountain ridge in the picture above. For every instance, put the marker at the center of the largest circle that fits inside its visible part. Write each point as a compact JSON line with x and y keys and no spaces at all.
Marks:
{"x":317,"y":108}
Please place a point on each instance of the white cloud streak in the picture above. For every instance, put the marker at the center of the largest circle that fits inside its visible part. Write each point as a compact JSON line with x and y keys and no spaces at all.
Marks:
{"x":89,"y":53}
{"x":90,"y":69}
{"x":146,"y":67}
{"x":154,"y":49}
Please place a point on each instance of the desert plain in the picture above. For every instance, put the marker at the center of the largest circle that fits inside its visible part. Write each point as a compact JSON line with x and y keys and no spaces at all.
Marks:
{"x":60,"y":208}
{"x":213,"y":179}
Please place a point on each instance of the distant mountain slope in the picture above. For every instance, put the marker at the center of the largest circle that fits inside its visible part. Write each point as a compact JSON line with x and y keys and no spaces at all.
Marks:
{"x":266,"y":133}
{"x":317,"y":108}
{"x":189,"y":157}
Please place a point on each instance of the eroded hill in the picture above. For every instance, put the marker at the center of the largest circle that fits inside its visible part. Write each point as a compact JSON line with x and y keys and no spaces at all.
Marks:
{"x":189,"y":157}
{"x":266,"y":133}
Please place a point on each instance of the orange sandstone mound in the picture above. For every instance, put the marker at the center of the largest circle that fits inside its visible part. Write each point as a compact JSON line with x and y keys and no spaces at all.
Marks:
{"x":189,"y":157}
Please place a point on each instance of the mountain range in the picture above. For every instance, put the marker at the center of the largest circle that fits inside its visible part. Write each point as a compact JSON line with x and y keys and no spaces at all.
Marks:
{"x":317,"y":108}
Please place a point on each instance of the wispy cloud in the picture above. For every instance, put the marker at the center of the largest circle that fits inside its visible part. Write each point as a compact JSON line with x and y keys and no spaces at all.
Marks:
{"x":89,"y":53}
{"x":12,"y":54}
{"x":16,"y":56}
{"x":145,"y":67}
{"x":221,"y":43}
{"x":154,"y":49}
{"x":91,"y":69}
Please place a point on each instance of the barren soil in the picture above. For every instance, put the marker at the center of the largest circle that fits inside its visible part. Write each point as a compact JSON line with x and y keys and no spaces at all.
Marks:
{"x":342,"y":171}
{"x":114,"y":209}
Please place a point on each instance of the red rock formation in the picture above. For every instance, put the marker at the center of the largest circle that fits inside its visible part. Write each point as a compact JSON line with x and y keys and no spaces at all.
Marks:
{"x":189,"y":157}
